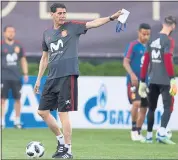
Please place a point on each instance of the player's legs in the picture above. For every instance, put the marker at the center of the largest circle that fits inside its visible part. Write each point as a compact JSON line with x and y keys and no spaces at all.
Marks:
{"x":141,"y":118}
{"x":68,"y":101}
{"x":134,"y":114}
{"x":168,"y":106}
{"x":134,"y":99}
{"x":53,"y":126}
{"x":4,"y":95}
{"x":67,"y":129}
{"x":152,"y":99}
{"x":48,"y":102}
{"x":17,"y":105}
{"x":136,"y":135}
{"x":168,"y":102}
{"x":143,"y":103}
{"x":142,"y":113}
{"x":135,"y":105}
{"x":16,"y":92}
{"x":50,"y":121}
{"x":3,"y":112}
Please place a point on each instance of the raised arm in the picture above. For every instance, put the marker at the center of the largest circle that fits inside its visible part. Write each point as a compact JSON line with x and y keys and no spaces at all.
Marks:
{"x":101,"y":21}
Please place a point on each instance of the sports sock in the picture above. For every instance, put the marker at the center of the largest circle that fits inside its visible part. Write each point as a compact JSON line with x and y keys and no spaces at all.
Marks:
{"x":60,"y":138}
{"x":134,"y":127}
{"x":149,"y":135}
{"x":162,"y":131}
{"x":17,"y":120}
{"x":139,"y":130}
{"x":69,"y":146}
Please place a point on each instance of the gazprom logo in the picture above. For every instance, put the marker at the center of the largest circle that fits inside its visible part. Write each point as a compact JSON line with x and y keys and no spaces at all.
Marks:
{"x":96,"y":105}
{"x":98,"y":112}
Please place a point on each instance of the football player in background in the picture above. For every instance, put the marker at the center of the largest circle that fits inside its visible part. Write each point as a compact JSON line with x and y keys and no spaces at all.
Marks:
{"x":162,"y":81}
{"x":12,"y":55}
{"x":133,"y":60}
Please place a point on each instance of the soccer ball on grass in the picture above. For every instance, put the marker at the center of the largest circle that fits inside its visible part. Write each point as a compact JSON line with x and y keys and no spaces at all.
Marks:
{"x":35,"y":149}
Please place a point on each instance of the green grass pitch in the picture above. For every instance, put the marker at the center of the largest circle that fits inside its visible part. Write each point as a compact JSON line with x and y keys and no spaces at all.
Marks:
{"x":87,"y":144}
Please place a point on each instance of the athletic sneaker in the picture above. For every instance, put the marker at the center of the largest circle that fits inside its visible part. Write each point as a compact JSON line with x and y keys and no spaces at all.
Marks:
{"x":140,"y":137}
{"x":133,"y":135}
{"x":147,"y":140}
{"x":164,"y":139}
{"x":59,"y":150}
{"x":18,"y":126}
{"x":65,"y":156}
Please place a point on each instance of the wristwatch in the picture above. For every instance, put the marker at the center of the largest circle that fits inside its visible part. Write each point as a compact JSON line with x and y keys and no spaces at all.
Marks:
{"x":111,"y":19}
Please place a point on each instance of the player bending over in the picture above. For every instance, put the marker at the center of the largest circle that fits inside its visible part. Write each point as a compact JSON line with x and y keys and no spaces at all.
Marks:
{"x":133,"y":60}
{"x":161,"y":78}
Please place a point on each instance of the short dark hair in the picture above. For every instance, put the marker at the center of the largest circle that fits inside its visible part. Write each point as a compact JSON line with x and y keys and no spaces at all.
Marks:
{"x":8,"y":26}
{"x":170,"y":20}
{"x":144,"y":26}
{"x":54,"y":6}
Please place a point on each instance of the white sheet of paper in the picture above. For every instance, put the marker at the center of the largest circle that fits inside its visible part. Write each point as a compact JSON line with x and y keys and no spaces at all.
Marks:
{"x":123,"y":18}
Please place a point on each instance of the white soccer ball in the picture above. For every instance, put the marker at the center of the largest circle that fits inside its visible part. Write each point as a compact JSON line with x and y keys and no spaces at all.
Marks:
{"x":168,"y":133}
{"x":35,"y":150}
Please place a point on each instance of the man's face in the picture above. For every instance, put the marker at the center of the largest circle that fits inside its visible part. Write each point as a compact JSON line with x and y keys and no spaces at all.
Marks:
{"x":144,"y":35}
{"x":9,"y":33}
{"x":59,"y":16}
